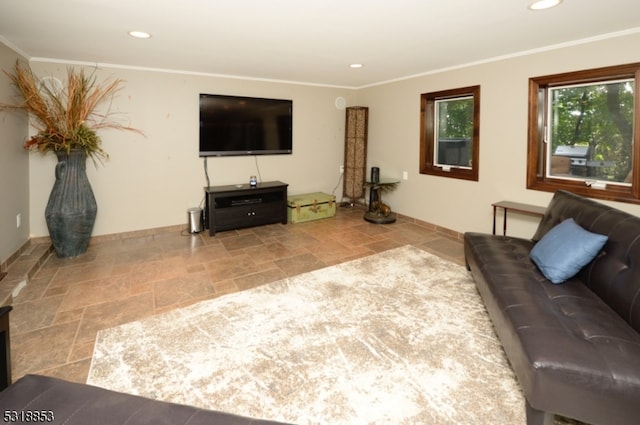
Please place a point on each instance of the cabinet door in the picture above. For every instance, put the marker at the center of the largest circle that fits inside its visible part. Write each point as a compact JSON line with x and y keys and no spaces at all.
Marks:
{"x":248,"y":215}
{"x":268,"y":213}
{"x":233,"y":217}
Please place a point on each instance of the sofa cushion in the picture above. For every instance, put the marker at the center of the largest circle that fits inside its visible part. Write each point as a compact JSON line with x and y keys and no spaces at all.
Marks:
{"x":566,"y":249}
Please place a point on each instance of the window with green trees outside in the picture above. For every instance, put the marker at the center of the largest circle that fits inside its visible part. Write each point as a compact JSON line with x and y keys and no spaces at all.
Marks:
{"x":583,"y":133}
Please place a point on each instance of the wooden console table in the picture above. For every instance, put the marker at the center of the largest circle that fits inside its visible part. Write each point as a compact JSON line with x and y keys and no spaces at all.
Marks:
{"x":516,"y":207}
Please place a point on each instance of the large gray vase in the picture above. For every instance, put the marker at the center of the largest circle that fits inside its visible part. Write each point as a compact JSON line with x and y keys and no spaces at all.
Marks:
{"x":71,"y":210}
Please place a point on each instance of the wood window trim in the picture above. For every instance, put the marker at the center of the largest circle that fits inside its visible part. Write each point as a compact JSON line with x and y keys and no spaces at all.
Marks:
{"x":536,"y":160}
{"x":427,"y":134}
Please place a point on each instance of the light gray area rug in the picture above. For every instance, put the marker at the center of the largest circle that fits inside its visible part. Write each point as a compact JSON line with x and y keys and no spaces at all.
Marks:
{"x":400,"y":337}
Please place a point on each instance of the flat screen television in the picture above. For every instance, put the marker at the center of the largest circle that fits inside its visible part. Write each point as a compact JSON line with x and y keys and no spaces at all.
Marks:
{"x":236,"y":125}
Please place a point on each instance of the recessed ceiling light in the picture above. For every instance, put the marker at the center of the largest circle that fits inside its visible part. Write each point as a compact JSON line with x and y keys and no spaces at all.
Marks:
{"x":139,"y":34}
{"x":355,"y":65}
{"x":544,"y":4}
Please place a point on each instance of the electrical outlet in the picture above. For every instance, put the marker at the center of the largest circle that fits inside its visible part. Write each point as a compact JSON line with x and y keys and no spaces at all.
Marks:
{"x":405,"y":175}
{"x":342,"y":169}
{"x":18,"y":220}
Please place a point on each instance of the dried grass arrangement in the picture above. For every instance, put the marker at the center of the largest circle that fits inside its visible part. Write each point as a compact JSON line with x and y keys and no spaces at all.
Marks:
{"x":66,"y":117}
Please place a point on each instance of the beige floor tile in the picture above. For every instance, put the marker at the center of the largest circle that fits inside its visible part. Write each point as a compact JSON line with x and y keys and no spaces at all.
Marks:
{"x":33,"y":315}
{"x":114,"y":313}
{"x":178,"y":290}
{"x":299,"y":264}
{"x":41,"y":349}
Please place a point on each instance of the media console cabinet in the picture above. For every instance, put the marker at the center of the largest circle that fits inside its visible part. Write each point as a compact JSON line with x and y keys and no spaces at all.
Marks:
{"x":236,"y":206}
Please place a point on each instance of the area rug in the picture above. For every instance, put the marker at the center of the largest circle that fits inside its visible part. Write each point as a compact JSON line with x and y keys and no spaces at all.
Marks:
{"x":400,"y":337}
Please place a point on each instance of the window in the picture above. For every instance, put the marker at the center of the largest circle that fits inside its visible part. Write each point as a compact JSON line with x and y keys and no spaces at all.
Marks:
{"x":449,"y":133}
{"x":584,"y":133}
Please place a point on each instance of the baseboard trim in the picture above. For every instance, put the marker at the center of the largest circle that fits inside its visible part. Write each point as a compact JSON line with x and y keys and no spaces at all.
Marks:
{"x":136,"y":234}
{"x":4,"y":265}
{"x":445,"y":231}
{"x":24,"y":265}
{"x":122,"y":235}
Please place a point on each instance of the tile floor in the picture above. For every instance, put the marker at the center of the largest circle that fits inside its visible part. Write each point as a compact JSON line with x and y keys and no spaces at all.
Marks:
{"x":128,"y":277}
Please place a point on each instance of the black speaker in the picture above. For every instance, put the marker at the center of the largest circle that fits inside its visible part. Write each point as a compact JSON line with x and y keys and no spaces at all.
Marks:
{"x":375,"y":174}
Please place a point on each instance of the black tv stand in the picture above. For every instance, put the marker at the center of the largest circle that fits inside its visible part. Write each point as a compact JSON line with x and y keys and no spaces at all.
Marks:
{"x":237,"y":206}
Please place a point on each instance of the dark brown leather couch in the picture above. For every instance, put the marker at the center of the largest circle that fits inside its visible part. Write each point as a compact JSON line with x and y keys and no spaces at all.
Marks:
{"x":46,"y":400}
{"x":575,"y":346}
{"x":41,"y":399}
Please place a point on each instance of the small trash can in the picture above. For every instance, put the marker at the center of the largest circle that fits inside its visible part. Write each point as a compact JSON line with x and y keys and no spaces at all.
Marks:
{"x":195,"y":220}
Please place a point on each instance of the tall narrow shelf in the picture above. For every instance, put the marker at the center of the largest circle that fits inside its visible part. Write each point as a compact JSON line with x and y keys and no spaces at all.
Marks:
{"x":237,"y":206}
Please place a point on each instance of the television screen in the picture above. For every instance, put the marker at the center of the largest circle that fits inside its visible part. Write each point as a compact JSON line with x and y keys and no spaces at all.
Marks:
{"x":235,"y":125}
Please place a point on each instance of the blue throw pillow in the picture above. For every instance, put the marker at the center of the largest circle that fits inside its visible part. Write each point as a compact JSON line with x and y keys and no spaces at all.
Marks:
{"x":565,"y":249}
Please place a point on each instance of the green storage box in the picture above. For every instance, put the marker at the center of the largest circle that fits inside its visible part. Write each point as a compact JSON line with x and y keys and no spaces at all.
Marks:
{"x":310,"y":206}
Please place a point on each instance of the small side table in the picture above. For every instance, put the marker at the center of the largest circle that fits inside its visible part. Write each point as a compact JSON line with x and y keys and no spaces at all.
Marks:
{"x":515,"y":207}
{"x":380,"y":213}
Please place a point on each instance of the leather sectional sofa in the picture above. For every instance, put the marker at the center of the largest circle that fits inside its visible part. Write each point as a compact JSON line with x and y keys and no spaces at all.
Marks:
{"x":574,"y":345}
{"x":42,"y":399}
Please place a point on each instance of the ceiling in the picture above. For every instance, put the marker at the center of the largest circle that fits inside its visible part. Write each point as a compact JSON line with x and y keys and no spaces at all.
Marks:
{"x":307,"y":41}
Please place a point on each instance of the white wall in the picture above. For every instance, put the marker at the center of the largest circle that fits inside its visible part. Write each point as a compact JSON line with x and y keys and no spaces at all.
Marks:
{"x":394,"y":135}
{"x":151,"y":182}
{"x":14,"y":166}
